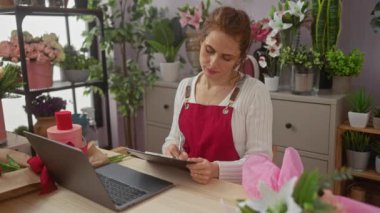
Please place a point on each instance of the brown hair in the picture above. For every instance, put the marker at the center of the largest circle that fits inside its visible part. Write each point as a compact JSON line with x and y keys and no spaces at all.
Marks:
{"x":231,"y":21}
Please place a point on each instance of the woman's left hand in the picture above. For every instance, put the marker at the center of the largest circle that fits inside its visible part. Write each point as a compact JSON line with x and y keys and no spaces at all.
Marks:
{"x":203,"y":171}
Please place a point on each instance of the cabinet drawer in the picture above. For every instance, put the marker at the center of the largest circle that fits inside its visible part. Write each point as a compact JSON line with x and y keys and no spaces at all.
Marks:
{"x":160,"y":104}
{"x":309,"y":163}
{"x":303,"y":126}
{"x":155,"y":138}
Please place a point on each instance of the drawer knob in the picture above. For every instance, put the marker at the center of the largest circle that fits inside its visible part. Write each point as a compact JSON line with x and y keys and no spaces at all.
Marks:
{"x":288,"y":125}
{"x":166,"y":106}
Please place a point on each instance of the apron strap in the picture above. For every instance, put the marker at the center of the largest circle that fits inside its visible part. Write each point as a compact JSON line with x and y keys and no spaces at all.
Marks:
{"x":234,"y":94}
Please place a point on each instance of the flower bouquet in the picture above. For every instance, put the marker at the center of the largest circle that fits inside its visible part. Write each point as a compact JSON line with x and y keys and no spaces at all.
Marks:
{"x":40,"y":54}
{"x":194,"y":16}
{"x":288,"y":189}
{"x":40,"y":49}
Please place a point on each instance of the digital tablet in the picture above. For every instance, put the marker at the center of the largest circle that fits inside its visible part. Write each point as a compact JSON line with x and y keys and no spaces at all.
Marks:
{"x":160,"y":158}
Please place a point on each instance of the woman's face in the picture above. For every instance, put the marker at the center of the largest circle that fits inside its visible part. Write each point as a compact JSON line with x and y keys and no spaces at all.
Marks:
{"x":219,"y":54}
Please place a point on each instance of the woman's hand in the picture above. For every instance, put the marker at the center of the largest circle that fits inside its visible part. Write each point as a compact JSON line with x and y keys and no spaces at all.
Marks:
{"x":173,"y":151}
{"x":203,"y":171}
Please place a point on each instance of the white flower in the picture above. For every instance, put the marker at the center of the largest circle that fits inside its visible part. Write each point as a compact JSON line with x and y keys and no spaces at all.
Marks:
{"x":276,"y":23}
{"x":262,"y":62}
{"x":276,"y":202}
{"x":295,"y":8}
{"x":273,"y":46}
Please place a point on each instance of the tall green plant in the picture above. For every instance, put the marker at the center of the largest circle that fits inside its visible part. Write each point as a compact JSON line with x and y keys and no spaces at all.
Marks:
{"x":127,"y":23}
{"x":326,"y":25}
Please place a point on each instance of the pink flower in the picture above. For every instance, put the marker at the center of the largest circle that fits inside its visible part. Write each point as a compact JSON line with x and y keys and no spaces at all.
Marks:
{"x":184,"y":18}
{"x":192,"y":16}
{"x":36,"y":48}
{"x":260,"y":30}
{"x":196,"y":19}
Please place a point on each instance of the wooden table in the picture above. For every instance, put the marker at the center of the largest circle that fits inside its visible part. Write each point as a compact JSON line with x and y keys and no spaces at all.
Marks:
{"x":186,"y":196}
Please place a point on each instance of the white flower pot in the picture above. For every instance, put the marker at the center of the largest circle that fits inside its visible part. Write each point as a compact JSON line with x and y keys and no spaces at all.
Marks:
{"x":376,"y":123}
{"x":271,"y":83}
{"x":358,"y":120}
{"x":358,"y":161}
{"x":169,"y":71}
{"x":76,"y":75}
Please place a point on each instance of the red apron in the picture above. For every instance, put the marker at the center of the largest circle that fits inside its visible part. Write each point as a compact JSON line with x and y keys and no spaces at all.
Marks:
{"x":207,"y":129}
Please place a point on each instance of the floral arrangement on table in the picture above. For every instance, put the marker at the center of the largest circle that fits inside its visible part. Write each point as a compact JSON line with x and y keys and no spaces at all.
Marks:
{"x":277,"y":31}
{"x":41,"y":49}
{"x":9,"y":79}
{"x":194,"y":16}
{"x":289,"y":188}
{"x":45,"y":106}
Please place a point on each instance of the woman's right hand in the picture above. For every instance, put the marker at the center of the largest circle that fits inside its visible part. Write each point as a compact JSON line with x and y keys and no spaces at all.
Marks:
{"x":173,"y":151}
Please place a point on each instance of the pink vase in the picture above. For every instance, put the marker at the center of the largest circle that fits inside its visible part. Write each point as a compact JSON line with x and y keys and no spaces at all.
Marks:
{"x":3,"y":133}
{"x":40,"y":75}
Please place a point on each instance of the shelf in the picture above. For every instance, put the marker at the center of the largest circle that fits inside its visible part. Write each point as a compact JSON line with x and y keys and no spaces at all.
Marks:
{"x":48,"y":11}
{"x":61,"y":85}
{"x":369,"y":130}
{"x":368,"y":174}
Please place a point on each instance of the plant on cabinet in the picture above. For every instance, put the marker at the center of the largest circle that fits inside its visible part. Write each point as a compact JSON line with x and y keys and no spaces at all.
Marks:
{"x":357,"y":148}
{"x":167,"y":42}
{"x":342,"y":67}
{"x":360,"y":105}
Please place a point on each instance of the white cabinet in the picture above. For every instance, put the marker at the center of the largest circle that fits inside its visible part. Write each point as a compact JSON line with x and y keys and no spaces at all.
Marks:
{"x":307,"y":123}
{"x":158,"y":111}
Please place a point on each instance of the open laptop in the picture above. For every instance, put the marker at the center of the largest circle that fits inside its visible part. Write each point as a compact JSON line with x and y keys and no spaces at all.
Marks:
{"x":114,"y":186}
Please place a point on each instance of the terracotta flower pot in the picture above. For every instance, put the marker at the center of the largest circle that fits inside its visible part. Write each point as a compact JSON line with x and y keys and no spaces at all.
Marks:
{"x":40,"y":75}
{"x":42,"y":124}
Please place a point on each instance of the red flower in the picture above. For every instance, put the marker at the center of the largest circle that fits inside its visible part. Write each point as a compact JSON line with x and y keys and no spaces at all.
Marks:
{"x":260,"y":30}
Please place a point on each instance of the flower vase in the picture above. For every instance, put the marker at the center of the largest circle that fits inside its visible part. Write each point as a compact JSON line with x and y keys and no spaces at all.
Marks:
{"x":3,"y":133}
{"x":40,"y":75}
{"x":193,"y":47}
{"x":302,"y":80}
{"x":289,"y":38}
{"x":42,"y":124}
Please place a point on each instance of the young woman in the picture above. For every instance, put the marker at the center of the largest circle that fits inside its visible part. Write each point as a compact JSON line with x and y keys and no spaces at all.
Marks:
{"x":221,"y":115}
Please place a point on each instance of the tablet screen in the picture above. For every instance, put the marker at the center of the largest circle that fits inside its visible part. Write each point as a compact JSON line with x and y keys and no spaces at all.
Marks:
{"x":160,"y":158}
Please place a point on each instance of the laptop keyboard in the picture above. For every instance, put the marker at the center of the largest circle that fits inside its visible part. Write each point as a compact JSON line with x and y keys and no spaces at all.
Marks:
{"x":119,"y":192}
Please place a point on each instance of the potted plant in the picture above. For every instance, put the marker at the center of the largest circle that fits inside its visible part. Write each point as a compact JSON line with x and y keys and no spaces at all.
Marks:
{"x":76,"y":66}
{"x":9,"y":81}
{"x":342,"y":67}
{"x":43,"y":107}
{"x":306,"y":64}
{"x":360,"y":105}
{"x":165,"y":42}
{"x":325,"y":30}
{"x":376,"y":118}
{"x":357,"y":148}
{"x":375,"y":146}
